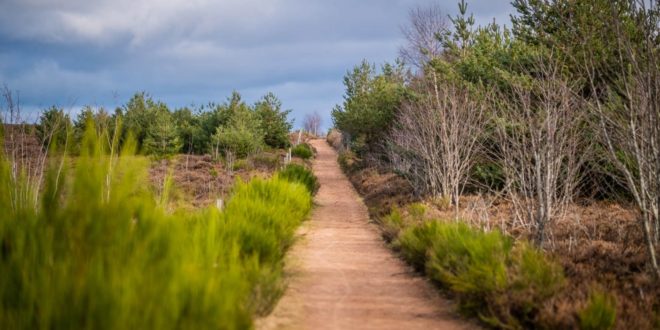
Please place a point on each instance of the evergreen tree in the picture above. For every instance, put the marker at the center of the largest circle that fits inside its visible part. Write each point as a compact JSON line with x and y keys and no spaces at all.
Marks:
{"x":54,"y":127}
{"x":162,"y":135}
{"x":274,"y":123}
{"x":242,"y":135}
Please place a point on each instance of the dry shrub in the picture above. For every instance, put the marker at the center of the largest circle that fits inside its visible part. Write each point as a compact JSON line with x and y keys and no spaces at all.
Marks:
{"x":266,"y":161}
{"x":335,"y":139}
{"x":382,"y":191}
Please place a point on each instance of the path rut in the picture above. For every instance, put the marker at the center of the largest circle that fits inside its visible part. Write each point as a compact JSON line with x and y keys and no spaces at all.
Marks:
{"x":342,"y":276}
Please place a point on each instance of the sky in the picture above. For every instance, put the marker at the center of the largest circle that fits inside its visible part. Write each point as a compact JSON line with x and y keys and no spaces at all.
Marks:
{"x":72,"y":53}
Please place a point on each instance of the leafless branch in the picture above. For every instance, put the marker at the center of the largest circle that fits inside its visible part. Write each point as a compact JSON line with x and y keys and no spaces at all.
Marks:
{"x":436,"y":138}
{"x":422,"y":35}
{"x":312,"y":123}
{"x":629,"y":119}
{"x":539,"y":132}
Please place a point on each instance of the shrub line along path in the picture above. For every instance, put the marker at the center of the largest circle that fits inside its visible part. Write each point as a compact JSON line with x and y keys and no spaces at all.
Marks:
{"x":342,"y":276}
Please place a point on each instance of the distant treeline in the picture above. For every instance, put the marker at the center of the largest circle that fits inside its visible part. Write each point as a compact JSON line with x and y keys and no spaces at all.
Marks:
{"x":231,"y":127}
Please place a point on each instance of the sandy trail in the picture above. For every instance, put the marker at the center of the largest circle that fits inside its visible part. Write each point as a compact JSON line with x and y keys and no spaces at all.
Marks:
{"x":341,"y":274}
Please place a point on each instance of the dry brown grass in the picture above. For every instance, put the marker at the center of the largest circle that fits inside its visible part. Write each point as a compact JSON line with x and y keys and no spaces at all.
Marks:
{"x":199,"y":180}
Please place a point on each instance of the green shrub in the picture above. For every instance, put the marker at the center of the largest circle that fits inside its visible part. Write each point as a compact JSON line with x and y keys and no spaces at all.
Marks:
{"x":54,"y":127}
{"x":240,"y":164}
{"x":371,"y":100}
{"x":242,"y":135}
{"x":469,"y":261}
{"x":505,"y":285}
{"x":534,"y":276}
{"x":99,"y":252}
{"x":347,"y":161}
{"x":300,"y":174}
{"x":600,"y":312}
{"x":303,"y":151}
{"x":162,"y":135}
{"x":266,"y":161}
{"x":274,"y":122}
{"x":417,"y":211}
{"x":240,"y":141}
{"x":489,"y":174}
{"x":415,"y":241}
{"x":392,"y":225}
{"x":277,"y":205}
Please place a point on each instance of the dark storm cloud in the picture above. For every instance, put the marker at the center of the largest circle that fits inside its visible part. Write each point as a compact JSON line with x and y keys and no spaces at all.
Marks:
{"x":75,"y":52}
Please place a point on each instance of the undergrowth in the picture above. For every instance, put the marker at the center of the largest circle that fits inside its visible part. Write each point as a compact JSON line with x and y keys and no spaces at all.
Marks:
{"x":99,"y":251}
{"x":298,"y":173}
{"x":599,"y":313}
{"x":502,"y":282}
{"x":303,"y":150}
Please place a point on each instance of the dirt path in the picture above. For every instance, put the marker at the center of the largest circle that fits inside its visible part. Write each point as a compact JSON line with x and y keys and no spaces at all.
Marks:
{"x":342,"y":276}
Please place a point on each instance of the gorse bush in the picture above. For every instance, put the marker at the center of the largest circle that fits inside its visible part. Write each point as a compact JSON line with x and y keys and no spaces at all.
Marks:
{"x":504,"y":284}
{"x":303,"y":151}
{"x":100,"y":252}
{"x":300,"y":174}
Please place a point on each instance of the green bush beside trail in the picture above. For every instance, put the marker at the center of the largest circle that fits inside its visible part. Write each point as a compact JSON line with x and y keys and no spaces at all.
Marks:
{"x":503,"y":283}
{"x":94,"y":249}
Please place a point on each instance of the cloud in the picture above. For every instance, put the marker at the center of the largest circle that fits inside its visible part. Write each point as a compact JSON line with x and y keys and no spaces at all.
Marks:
{"x":194,"y":51}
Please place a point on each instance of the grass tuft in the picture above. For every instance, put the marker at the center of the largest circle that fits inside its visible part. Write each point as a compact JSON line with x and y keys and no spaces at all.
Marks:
{"x":303,"y":150}
{"x":600,"y":312}
{"x":300,"y":174}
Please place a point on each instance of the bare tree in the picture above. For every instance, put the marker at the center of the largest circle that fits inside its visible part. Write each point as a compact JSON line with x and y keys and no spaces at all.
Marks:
{"x":312,"y":123}
{"x":423,"y":35}
{"x":538,"y":130}
{"x":629,"y":118}
{"x":437,"y":136}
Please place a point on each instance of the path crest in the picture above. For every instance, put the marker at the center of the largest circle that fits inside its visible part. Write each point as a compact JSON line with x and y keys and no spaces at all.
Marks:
{"x":342,"y":276}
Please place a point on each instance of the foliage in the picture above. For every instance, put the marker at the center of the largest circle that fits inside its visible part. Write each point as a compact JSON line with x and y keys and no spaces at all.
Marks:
{"x":505,"y":284}
{"x":274,"y":121}
{"x":162,"y":137}
{"x":242,"y":135}
{"x":237,"y":138}
{"x":415,"y":241}
{"x":302,"y":150}
{"x":417,"y":211}
{"x":231,"y":126}
{"x":190,"y":131}
{"x":600,"y":312}
{"x":300,"y":174}
{"x":392,"y":224}
{"x":100,"y":252}
{"x":347,"y":161}
{"x":54,"y":127}
{"x":370,"y":102}
{"x":266,"y":161}
{"x":138,"y":114}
